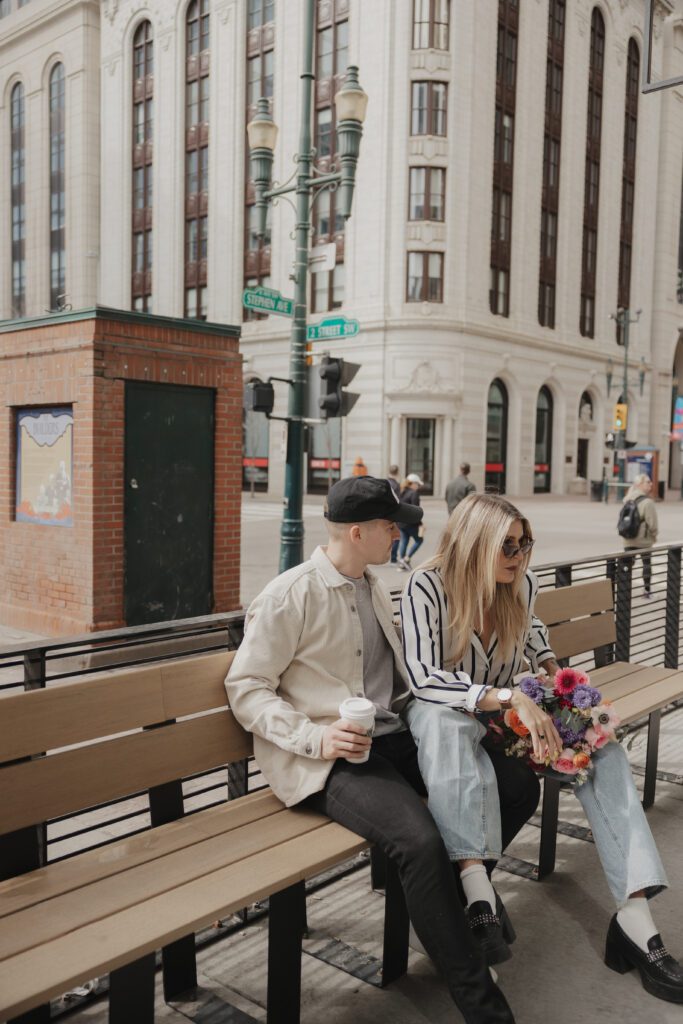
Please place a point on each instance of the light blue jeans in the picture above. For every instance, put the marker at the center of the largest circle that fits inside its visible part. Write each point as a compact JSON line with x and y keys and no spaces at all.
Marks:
{"x":458,"y":773}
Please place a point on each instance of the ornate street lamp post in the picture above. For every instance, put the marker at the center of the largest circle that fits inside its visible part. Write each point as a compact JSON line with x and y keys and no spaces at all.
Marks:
{"x":351,"y":103}
{"x":623,"y":321}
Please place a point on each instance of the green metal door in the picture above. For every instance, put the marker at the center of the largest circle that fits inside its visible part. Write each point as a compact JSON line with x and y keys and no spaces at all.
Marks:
{"x":169,"y":502}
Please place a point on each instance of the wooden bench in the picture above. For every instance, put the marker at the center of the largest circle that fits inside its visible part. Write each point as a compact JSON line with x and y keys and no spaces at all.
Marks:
{"x":120,"y":734}
{"x":580,"y":619}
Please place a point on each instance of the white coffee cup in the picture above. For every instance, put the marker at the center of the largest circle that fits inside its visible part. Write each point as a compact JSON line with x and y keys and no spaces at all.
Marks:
{"x":360,"y":711}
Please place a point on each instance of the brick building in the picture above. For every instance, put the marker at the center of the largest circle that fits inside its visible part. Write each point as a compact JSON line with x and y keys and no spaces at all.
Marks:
{"x":137,"y":518}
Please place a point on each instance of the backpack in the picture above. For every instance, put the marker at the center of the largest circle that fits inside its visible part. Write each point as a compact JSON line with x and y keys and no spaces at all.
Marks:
{"x":629,"y":520}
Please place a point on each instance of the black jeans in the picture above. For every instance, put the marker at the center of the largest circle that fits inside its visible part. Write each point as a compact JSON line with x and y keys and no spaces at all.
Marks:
{"x":381,"y":801}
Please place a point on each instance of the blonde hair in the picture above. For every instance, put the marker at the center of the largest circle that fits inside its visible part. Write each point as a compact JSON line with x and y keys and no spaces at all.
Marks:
{"x":467,"y":558}
{"x":634,"y":490}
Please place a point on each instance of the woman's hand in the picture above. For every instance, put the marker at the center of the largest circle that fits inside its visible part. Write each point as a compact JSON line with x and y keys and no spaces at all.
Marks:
{"x":544,"y":735}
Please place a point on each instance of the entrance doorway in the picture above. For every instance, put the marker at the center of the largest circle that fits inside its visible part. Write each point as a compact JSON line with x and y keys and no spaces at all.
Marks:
{"x":496,"y":438}
{"x":168,"y":506}
{"x":420,"y":435}
{"x":543,"y":452}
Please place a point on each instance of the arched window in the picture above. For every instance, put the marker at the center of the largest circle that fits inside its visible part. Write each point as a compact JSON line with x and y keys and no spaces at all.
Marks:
{"x":57,"y":190}
{"x":503,"y":153}
{"x":551,"y":163}
{"x":196,"y":158}
{"x":143,"y":153}
{"x":592,"y":176}
{"x":628,"y":177}
{"x":18,"y":198}
{"x":496,"y":438}
{"x":543,"y":451}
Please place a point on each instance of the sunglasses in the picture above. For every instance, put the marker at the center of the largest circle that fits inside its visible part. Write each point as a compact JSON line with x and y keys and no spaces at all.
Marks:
{"x":510,"y":549}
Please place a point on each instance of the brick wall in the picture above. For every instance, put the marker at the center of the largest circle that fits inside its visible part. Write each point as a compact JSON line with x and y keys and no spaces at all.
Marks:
{"x":61,"y":580}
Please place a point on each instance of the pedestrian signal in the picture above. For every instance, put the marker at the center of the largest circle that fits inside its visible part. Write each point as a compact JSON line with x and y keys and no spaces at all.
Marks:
{"x":620,"y":415}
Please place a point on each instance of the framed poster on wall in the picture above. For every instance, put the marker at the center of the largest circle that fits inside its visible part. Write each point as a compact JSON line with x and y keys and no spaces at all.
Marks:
{"x":44,"y":466}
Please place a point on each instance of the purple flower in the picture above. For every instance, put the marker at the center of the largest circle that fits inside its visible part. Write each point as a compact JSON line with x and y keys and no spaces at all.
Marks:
{"x":582,"y":697}
{"x":567,"y":735}
{"x":532,"y":688}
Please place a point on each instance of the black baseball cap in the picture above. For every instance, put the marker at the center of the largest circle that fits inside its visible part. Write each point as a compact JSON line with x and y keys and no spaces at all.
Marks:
{"x":358,"y":499}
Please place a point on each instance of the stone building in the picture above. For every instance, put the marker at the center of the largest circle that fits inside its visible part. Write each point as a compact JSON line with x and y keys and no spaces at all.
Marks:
{"x":515,"y":188}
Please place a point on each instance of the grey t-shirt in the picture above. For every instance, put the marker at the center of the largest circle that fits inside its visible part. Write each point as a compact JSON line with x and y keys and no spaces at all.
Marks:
{"x":378,"y":661}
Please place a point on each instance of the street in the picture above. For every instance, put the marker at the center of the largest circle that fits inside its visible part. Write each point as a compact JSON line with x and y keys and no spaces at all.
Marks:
{"x":564,"y":528}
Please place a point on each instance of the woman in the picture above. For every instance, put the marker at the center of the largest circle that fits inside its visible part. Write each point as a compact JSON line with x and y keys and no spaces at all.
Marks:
{"x":640,"y":492}
{"x":469,"y":627}
{"x":410,"y":494}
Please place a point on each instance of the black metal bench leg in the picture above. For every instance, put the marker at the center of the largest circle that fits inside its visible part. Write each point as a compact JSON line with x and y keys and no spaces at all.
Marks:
{"x":396,"y":925}
{"x":285,"y":928}
{"x":179,"y":967}
{"x":131,"y":992}
{"x":378,"y":868}
{"x":651,"y":759}
{"x":549,"y":816}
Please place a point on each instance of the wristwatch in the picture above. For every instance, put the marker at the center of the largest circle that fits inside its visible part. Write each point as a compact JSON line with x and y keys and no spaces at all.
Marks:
{"x":505,"y":698}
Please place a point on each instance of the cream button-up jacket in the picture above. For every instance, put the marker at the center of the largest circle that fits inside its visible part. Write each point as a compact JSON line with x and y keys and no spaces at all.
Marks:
{"x":301,"y":656}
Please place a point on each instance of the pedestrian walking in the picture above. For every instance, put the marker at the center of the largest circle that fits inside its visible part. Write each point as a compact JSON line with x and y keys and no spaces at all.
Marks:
{"x":291,"y":673}
{"x":410,"y":495}
{"x":459,"y":488}
{"x":359,"y":468}
{"x":638,"y":525}
{"x":395,"y":485}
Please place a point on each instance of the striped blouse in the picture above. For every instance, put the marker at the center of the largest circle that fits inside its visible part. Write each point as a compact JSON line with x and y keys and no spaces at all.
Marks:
{"x":427,"y":641}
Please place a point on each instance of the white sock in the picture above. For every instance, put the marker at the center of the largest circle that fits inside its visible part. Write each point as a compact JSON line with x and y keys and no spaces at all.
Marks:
{"x":636,"y":921}
{"x":477,"y":886}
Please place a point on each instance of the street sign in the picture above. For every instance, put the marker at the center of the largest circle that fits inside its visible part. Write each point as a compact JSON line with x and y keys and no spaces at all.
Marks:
{"x":331,"y":328}
{"x":322,"y":257}
{"x":267,"y":300}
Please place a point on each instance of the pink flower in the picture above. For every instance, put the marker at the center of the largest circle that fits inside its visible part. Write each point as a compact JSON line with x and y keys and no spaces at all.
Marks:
{"x":596,"y":737}
{"x":605,"y":718}
{"x":582,"y":679}
{"x":565,"y":762}
{"x":566,"y":681}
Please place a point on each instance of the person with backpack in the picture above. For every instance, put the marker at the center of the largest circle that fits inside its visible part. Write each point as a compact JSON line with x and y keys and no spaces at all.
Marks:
{"x":638,"y":525}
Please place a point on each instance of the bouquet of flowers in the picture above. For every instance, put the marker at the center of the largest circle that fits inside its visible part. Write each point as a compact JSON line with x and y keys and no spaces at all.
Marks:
{"x":584,"y":721}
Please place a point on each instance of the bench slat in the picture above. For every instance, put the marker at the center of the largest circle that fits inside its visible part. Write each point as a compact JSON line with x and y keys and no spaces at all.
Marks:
{"x":70,"y":713}
{"x":652,"y":698}
{"x":72,"y":780}
{"x":33,"y":977}
{"x":76,"y":712}
{"x":553,"y":606}
{"x":600,"y":677}
{"x":106,"y":862}
{"x":83,"y":906}
{"x":577,"y":637}
{"x":644,"y":678}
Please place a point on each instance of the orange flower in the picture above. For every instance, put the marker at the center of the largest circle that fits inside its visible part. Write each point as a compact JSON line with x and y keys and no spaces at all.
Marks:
{"x":514,"y":722}
{"x":581,"y":760}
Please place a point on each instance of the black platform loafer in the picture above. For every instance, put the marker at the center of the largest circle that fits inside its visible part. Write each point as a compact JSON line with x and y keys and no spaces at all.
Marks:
{"x":661,"y":975}
{"x":488,"y":931}
{"x":509,"y":933}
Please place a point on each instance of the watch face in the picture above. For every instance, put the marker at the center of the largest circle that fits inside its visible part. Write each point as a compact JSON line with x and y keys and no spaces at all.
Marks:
{"x":504,"y":696}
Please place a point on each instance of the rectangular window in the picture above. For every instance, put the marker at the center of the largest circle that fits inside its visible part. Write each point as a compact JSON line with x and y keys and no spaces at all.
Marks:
{"x":425,"y":277}
{"x":428,"y":116}
{"x":324,"y":132}
{"x":427,"y":193}
{"x":420,"y":436}
{"x":430,"y":24}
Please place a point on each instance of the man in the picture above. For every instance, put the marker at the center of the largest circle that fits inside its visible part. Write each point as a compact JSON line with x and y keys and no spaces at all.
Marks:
{"x":320,"y":633}
{"x":459,"y":488}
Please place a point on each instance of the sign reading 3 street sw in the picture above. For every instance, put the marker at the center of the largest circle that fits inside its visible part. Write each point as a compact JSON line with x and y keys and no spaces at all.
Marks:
{"x":267,"y":300}
{"x":331,"y":328}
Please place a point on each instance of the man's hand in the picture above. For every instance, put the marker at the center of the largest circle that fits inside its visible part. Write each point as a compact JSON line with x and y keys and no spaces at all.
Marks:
{"x":344,"y":739}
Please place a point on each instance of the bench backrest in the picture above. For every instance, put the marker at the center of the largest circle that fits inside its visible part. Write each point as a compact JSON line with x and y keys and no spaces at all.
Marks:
{"x":579,"y":618}
{"x":97,"y":739}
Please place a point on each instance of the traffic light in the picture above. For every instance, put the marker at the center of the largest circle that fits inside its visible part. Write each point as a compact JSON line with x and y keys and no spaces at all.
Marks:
{"x":620,"y":415}
{"x":336,"y":373}
{"x":259,"y":396}
{"x":609,"y":439}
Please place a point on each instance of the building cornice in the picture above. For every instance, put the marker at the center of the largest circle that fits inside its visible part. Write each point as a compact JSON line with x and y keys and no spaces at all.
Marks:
{"x":121,"y":316}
